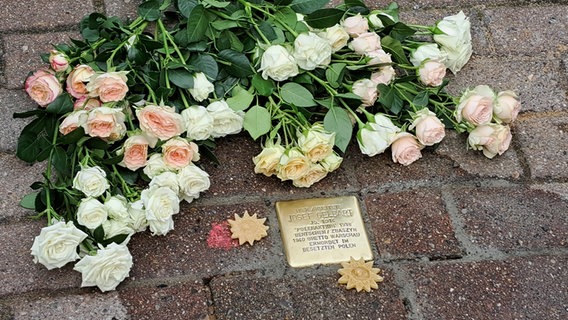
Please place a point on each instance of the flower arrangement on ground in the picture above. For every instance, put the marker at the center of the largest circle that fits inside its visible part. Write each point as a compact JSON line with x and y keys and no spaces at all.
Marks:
{"x":126,"y":112}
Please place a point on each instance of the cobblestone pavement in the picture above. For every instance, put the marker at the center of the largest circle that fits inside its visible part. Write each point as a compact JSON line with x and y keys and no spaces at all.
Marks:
{"x":457,"y":236}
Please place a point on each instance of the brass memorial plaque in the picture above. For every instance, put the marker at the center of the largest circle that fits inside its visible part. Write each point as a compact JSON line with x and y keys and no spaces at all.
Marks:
{"x":322,"y":231}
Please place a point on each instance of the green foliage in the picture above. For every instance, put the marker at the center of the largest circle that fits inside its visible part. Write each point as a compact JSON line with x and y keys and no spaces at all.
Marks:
{"x":257,"y":121}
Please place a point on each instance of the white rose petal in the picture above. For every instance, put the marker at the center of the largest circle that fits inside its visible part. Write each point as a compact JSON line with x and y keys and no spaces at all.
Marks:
{"x":108,"y":268}
{"x":198,"y":122}
{"x":225,"y":120}
{"x":91,"y":213}
{"x":91,"y":181}
{"x":57,"y":244}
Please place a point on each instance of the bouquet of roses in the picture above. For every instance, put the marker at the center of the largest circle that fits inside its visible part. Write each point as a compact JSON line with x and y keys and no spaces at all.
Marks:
{"x":126,"y":112}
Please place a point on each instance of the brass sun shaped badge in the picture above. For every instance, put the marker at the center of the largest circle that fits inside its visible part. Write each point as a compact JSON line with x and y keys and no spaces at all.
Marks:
{"x":360,"y":275}
{"x":248,"y":228}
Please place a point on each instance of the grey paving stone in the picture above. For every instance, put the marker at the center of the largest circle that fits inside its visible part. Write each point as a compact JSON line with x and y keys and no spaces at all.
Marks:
{"x":544,"y":143}
{"x":167,"y":301}
{"x":15,"y":180}
{"x":409,"y":225}
{"x":42,"y":14}
{"x":18,"y":273}
{"x":454,"y":147}
{"x":249,"y":296}
{"x":22,"y":53}
{"x":125,"y":9}
{"x":12,"y":101}
{"x":87,"y":306}
{"x":539,"y":81}
{"x":521,"y":288}
{"x":512,"y":219}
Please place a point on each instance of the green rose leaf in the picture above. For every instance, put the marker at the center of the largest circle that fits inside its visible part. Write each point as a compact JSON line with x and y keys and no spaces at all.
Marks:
{"x":394,"y":47}
{"x":240,"y":100}
{"x":257,"y":121}
{"x":334,"y":74}
{"x":61,"y":105}
{"x":29,"y":200}
{"x":72,"y":137}
{"x":181,"y":77}
{"x":185,"y":6}
{"x":206,"y":64}
{"x":60,"y":161}
{"x":421,"y":99}
{"x":197,"y":24}
{"x":324,"y":18}
{"x":217,"y":4}
{"x":149,"y":10}
{"x":264,"y":87}
{"x":239,"y":65}
{"x":390,"y":99}
{"x":337,"y":120}
{"x":297,"y":95}
{"x":307,"y":6}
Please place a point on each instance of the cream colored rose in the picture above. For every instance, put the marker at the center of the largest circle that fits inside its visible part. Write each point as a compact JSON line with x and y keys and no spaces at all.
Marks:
{"x":365,"y":43}
{"x":91,"y":213}
{"x":367,"y":90}
{"x":192,"y":181}
{"x":431,"y":73}
{"x":377,"y":57}
{"x":428,"y":128}
{"x":198,"y":122}
{"x":278,"y":64}
{"x":494,"y":139}
{"x":160,"y":203}
{"x":375,"y":20}
{"x":455,"y":40}
{"x":316,"y":143}
{"x":113,"y":228}
{"x":405,"y":148}
{"x":117,"y":208}
{"x":507,"y":106}
{"x":268,"y":159}
{"x":91,"y":181}
{"x":57,"y":244}
{"x":43,"y":87}
{"x":58,"y":61}
{"x":108,"y":87}
{"x":201,"y":87}
{"x":106,"y":123}
{"x":385,"y":75}
{"x":336,"y":36}
{"x":293,"y":165}
{"x":73,"y":121}
{"x":476,"y":106}
{"x":311,"y":51}
{"x":355,"y":25}
{"x":429,"y":51}
{"x":161,"y":122}
{"x":315,"y":173}
{"x":166,"y":179}
{"x":86,"y":103}
{"x":155,"y":166}
{"x":375,"y":137}
{"x":178,"y":152}
{"x":225,"y":120}
{"x":135,"y":151}
{"x":77,"y":79}
{"x":332,"y":162}
{"x":107,"y":268}
{"x":137,"y":214}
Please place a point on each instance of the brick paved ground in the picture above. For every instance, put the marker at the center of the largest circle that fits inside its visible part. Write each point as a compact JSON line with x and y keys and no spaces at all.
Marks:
{"x":457,"y":236}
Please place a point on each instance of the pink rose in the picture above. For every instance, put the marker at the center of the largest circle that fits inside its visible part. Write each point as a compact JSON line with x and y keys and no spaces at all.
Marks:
{"x":43,"y":87}
{"x":367,"y":90}
{"x":178,"y":152}
{"x":161,"y":122}
{"x":109,"y":87}
{"x":429,"y":129}
{"x":385,"y":75}
{"x":431,"y":73}
{"x":106,"y":123}
{"x":492,"y":138}
{"x":135,"y":152}
{"x":365,"y":43}
{"x":507,"y":106}
{"x":76,"y":80}
{"x":476,"y":106}
{"x":58,"y":61}
{"x":86,"y":103}
{"x":73,"y":121}
{"x":378,"y":57}
{"x":355,"y":25}
{"x":406,"y":149}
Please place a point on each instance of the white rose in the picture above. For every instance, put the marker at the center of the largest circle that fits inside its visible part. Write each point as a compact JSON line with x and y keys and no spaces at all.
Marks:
{"x":316,"y":143}
{"x":367,"y":90}
{"x":455,"y":40}
{"x":201,"y":87}
{"x":365,"y":43}
{"x":427,"y":51}
{"x":165,"y":179}
{"x":73,"y":121}
{"x":268,"y":159}
{"x":336,"y":36}
{"x":57,"y":244}
{"x":278,"y":64}
{"x":117,"y":208}
{"x":161,"y":204}
{"x":311,"y":51}
{"x":91,"y":181}
{"x":192,"y":181}
{"x":155,"y":166}
{"x":375,"y":137}
{"x":385,"y":75}
{"x":491,"y":138}
{"x":137,"y":215}
{"x":109,"y":267}
{"x":355,"y":25}
{"x":91,"y":213}
{"x":198,"y":122}
{"x":114,"y":228}
{"x":225,"y":120}
{"x":378,"y":57}
{"x":331,"y":162}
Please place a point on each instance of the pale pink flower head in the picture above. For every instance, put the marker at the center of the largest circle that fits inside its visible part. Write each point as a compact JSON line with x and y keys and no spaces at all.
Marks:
{"x":77,"y":79}
{"x":86,"y":103}
{"x":106,"y":123}
{"x":355,"y":25}
{"x":178,"y":153}
{"x":72,"y":121}
{"x":431,"y":73}
{"x":135,"y":151}
{"x":43,"y":87}
{"x":406,"y":148}
{"x":367,"y":90}
{"x":429,"y":129}
{"x":161,"y":122}
{"x":507,"y":106}
{"x":476,"y":106}
{"x":365,"y":43}
{"x":491,"y":138}
{"x":108,"y":87}
{"x":58,"y":61}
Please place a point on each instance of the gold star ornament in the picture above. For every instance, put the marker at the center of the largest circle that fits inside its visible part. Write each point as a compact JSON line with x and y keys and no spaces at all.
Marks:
{"x":360,"y":275}
{"x":248,"y":228}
